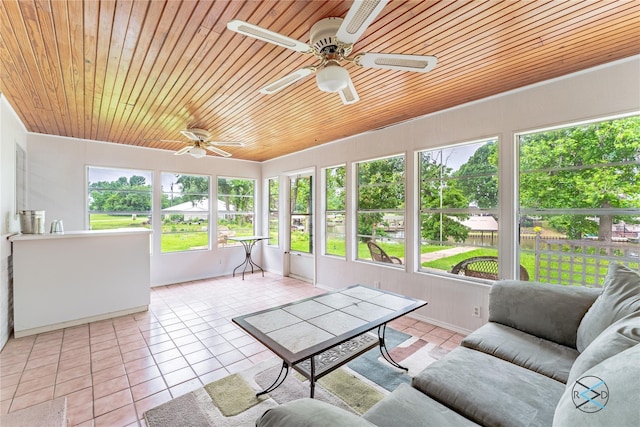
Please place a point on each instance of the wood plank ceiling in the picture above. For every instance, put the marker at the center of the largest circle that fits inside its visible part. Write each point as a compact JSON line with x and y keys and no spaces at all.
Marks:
{"x":136,"y":72}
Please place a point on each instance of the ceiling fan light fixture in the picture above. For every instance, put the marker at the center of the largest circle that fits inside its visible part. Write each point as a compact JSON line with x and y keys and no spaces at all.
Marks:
{"x":198,"y":152}
{"x":332,"y":78}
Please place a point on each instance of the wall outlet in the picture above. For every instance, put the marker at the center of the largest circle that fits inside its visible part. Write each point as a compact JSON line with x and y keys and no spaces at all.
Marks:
{"x":476,"y":311}
{"x":376,"y":284}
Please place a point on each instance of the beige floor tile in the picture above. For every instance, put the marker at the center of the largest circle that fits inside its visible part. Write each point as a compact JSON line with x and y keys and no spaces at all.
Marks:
{"x":113,"y":370}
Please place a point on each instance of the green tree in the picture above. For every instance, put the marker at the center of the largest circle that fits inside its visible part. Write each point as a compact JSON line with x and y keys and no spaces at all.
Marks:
{"x":595,"y":166}
{"x":336,"y":188}
{"x":478,"y":180}
{"x":122,"y":195}
{"x":194,"y":188}
{"x":301,"y":195}
{"x":274,"y":195}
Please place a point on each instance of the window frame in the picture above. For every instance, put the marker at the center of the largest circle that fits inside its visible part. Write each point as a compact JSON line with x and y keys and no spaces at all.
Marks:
{"x":123,"y":171}
{"x":271,"y":212}
{"x":359,"y":211}
{"x":552,"y":255}
{"x":162,"y":213}
{"x":221,"y":241}
{"x":327,"y":212}
{"x":478,"y":212}
{"x":309,"y":214}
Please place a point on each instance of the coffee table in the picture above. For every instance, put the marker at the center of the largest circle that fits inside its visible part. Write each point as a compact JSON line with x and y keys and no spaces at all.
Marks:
{"x":317,"y":335}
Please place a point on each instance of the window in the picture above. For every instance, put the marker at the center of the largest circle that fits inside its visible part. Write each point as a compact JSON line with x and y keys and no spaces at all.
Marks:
{"x":274,"y":215}
{"x":235,"y":209}
{"x":335,"y":211}
{"x":118,"y":198}
{"x":580,"y":201}
{"x":458,"y":204}
{"x":185,"y":212}
{"x":301,"y":202}
{"x":380,"y":206}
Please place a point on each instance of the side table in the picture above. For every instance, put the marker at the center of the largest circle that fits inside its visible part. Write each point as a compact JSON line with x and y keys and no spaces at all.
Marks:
{"x":248,"y":242}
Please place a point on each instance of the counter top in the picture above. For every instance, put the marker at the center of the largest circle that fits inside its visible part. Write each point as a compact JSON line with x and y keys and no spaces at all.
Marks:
{"x":80,"y":234}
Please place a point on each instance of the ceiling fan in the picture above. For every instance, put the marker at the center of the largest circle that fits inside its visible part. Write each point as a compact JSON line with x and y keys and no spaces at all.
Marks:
{"x":200,"y":143}
{"x":332,"y":41}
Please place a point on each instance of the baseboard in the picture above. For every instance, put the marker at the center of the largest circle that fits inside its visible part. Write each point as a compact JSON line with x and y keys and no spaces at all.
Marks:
{"x":439,"y":323}
{"x":76,"y":322}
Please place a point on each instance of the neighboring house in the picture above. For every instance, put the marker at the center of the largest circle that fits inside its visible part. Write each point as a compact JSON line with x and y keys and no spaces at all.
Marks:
{"x":196,"y":210}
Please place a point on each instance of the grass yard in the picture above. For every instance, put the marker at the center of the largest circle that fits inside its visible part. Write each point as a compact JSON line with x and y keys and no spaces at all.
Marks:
{"x":177,"y":242}
{"x":177,"y":237}
{"x":110,"y":222}
{"x":337,"y":247}
{"x":447,"y":262}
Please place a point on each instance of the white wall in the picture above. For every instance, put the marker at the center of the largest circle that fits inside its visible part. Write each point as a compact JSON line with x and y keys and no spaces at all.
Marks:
{"x":57,"y":165}
{"x":599,"y":92}
{"x":57,"y":184}
{"x":12,"y":133}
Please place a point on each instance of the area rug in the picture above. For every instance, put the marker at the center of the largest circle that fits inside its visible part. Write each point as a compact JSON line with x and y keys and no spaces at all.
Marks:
{"x":52,"y":413}
{"x":355,"y":387}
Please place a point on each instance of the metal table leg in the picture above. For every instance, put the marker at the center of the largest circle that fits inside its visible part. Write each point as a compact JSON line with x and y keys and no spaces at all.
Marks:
{"x":248,"y":261}
{"x":312,"y":380}
{"x":383,"y":348}
{"x":284,"y":371}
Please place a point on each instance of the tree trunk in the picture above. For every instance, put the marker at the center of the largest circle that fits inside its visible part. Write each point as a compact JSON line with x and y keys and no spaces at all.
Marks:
{"x":605,"y":229}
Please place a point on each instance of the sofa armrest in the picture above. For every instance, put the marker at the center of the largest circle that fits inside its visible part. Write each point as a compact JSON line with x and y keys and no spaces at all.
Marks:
{"x":552,"y":312}
{"x":308,"y":412}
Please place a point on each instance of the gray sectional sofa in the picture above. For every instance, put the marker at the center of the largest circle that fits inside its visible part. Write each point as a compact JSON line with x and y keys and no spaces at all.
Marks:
{"x":549,"y":355}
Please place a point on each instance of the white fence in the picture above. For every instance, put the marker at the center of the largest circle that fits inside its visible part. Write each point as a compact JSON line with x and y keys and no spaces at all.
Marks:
{"x":580,"y":262}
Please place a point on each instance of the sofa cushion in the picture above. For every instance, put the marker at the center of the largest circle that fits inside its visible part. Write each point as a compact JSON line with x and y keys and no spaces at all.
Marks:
{"x":520,"y":305}
{"x":623,"y":334}
{"x":406,"y":406}
{"x":620,"y":297}
{"x":526,"y":350}
{"x":489,"y":390}
{"x":308,"y":412}
{"x":621,"y":376}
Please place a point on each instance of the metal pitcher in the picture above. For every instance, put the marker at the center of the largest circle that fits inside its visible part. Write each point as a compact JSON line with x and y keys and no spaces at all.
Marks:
{"x":56,"y":226}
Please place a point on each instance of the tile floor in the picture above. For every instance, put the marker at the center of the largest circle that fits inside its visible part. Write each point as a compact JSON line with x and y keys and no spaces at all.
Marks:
{"x":112,"y":371}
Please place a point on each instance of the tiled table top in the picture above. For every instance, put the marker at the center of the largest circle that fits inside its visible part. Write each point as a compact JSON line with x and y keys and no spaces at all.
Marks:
{"x":301,"y":329}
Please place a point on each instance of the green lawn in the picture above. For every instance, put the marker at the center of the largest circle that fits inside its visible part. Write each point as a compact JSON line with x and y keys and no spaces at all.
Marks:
{"x":337,"y":247}
{"x":109,"y":222}
{"x":448,"y":262}
{"x":176,"y":242}
{"x":184,"y":237}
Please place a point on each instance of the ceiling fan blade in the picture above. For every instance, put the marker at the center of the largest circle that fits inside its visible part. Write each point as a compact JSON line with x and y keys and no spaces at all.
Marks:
{"x":287,"y":80}
{"x":268,"y":36}
{"x":227,"y":143}
{"x":183,"y":150}
{"x":216,"y":150}
{"x":349,"y":94}
{"x":397,"y":61}
{"x":360,"y":16}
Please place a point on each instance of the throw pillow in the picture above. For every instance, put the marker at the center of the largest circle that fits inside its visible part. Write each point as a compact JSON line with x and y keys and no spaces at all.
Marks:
{"x":619,"y":298}
{"x":604,"y":395}
{"x":623,"y":334}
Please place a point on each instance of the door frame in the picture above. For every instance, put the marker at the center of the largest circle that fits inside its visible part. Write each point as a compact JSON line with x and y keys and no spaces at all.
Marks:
{"x":288,"y":252}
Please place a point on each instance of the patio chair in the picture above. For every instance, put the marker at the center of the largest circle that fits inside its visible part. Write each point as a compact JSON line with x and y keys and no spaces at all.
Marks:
{"x":484,"y":267}
{"x":379,"y":255}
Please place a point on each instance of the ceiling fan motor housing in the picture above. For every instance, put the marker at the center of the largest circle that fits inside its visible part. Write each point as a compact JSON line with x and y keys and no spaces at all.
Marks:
{"x":323,"y":38}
